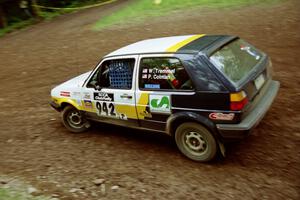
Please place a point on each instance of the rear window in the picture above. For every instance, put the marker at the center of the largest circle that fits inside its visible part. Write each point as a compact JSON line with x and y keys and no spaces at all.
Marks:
{"x":236,"y":59}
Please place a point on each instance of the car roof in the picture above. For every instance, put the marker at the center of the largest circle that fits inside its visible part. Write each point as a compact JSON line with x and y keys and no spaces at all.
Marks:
{"x":191,"y":44}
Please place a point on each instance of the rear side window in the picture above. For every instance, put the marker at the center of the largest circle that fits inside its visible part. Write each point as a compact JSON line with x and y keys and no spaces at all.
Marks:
{"x":163,"y":74}
{"x":236,"y":59}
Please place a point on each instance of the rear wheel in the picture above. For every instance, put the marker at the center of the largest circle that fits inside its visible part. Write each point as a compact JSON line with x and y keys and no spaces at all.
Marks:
{"x":73,"y":120}
{"x":196,"y":142}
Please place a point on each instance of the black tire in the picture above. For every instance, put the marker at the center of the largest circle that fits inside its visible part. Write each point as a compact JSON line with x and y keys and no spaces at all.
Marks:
{"x":196,"y":142}
{"x":73,"y":120}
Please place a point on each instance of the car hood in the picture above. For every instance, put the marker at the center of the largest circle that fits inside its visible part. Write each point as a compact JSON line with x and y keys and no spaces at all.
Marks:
{"x":70,"y":86}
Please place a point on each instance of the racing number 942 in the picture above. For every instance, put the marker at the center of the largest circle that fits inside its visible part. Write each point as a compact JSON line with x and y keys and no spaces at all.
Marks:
{"x":105,"y":108}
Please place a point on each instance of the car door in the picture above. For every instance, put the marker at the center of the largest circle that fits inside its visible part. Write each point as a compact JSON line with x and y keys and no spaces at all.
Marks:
{"x":109,"y":94}
{"x":163,"y":81}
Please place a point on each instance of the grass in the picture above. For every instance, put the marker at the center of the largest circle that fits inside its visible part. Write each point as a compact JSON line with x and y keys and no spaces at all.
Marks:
{"x":140,"y":10}
{"x":16,"y":26}
{"x":9,"y":194}
{"x":50,"y":15}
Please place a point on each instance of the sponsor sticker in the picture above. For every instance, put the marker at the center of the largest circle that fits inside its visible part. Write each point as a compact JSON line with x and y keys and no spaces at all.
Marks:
{"x":160,"y":103}
{"x":152,"y":86}
{"x":146,"y":114}
{"x":123,"y":116}
{"x":88,"y":104}
{"x":76,"y":94}
{"x":86,"y":95}
{"x":221,"y":116}
{"x":65,"y":94}
{"x":102,"y":96}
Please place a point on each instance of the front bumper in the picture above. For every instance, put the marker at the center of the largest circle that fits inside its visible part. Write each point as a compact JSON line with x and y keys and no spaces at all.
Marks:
{"x":55,"y":106}
{"x":239,"y":131}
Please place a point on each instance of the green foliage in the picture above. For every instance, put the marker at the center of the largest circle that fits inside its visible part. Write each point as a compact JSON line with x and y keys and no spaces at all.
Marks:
{"x":66,"y":3}
{"x":48,"y":14}
{"x":9,"y":194}
{"x":19,"y":19}
{"x":16,"y":26}
{"x":142,"y":9}
{"x":51,"y":15}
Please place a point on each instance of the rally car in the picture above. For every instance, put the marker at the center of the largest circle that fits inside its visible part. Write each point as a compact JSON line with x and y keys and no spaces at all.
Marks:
{"x":203,"y":90}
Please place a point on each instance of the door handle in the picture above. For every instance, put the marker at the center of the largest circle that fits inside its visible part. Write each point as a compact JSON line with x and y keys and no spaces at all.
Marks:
{"x":126,"y":96}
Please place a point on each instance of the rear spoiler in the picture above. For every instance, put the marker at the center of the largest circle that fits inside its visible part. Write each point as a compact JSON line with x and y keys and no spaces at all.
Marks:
{"x":218,"y":44}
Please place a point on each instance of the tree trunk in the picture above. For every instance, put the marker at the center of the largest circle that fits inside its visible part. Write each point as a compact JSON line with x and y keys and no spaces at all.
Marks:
{"x":3,"y":21}
{"x":35,"y":10}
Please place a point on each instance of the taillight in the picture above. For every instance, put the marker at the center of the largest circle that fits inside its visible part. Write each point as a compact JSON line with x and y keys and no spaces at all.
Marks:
{"x":238,"y":100}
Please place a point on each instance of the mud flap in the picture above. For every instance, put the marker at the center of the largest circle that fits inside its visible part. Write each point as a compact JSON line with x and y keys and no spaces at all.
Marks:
{"x":87,"y":124}
{"x":222,"y":149}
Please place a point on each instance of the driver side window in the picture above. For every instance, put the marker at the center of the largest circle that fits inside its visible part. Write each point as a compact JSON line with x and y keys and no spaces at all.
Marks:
{"x":115,"y":74}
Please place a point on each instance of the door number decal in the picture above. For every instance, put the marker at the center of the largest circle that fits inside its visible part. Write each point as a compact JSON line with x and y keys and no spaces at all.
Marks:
{"x":105,"y":108}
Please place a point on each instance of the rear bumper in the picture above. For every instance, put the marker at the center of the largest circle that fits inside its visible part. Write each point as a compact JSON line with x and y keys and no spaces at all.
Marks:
{"x":239,"y":131}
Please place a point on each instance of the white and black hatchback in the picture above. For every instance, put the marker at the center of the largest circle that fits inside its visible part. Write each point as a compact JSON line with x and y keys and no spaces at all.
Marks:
{"x":203,"y":90}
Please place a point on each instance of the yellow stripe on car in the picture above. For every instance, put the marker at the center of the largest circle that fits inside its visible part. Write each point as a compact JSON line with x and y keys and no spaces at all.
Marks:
{"x":177,"y":46}
{"x":128,"y":110}
{"x":142,"y":105}
{"x":73,"y":102}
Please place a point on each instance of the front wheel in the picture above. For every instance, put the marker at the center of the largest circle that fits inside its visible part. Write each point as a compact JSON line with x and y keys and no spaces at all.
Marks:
{"x":73,"y":120}
{"x":196,"y":142}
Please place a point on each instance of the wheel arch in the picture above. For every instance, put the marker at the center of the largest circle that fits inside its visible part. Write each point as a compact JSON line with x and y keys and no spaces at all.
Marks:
{"x":175,"y":120}
{"x":66,"y":102}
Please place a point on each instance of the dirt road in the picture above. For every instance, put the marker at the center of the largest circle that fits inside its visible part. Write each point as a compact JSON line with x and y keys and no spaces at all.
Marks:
{"x":36,"y":148}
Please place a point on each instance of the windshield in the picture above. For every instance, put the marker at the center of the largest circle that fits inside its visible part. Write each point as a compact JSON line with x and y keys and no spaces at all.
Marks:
{"x":236,"y":59}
